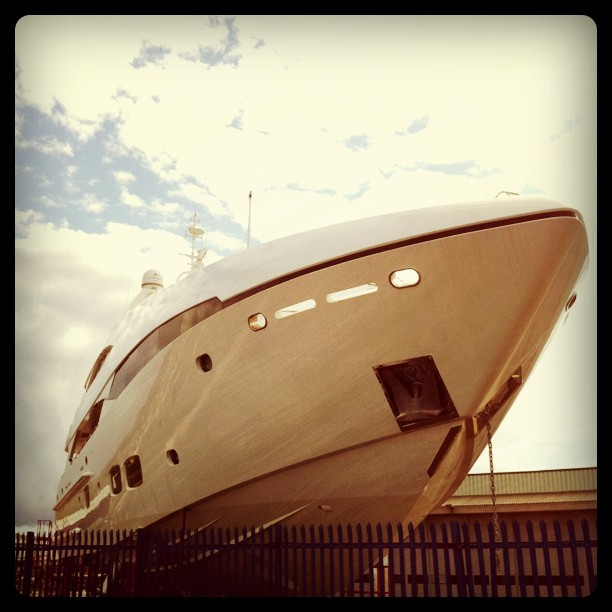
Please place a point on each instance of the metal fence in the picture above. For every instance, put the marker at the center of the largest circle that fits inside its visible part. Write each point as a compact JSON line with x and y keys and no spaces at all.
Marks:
{"x":447,"y":559}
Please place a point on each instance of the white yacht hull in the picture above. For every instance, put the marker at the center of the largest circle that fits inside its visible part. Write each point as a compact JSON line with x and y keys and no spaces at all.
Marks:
{"x":294,"y":423}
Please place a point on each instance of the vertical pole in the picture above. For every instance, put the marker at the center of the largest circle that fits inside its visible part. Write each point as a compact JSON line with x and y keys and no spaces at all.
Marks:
{"x":249,"y":229}
{"x":28,"y":565}
{"x":138,"y":562}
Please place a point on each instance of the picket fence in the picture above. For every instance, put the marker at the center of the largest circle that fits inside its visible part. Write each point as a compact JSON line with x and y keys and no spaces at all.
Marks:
{"x":445,"y":560}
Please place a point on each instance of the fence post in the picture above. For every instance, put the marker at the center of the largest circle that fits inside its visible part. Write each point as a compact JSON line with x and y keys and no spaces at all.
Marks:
{"x":139,"y":563}
{"x":29,"y":562}
{"x":458,"y":556}
{"x":277,"y":538}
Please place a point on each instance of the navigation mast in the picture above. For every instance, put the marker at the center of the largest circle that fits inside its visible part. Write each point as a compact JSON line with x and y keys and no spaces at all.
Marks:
{"x":195,"y":233}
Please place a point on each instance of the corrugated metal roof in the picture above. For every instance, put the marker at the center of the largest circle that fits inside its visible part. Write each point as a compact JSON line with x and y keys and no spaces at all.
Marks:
{"x":529,"y":498}
{"x":545,"y":481}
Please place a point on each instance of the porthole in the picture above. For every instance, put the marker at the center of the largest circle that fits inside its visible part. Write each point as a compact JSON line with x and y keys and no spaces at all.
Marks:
{"x":408,"y":277}
{"x":257,"y":321}
{"x":205,"y":362}
{"x":172,"y":457}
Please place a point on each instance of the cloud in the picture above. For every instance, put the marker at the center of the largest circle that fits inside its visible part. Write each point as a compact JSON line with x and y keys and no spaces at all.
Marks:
{"x":568,"y":126}
{"x":416,"y":126}
{"x":124,"y":93}
{"x":220,"y":55}
{"x":236,"y":122}
{"x":200,"y":195}
{"x":357,"y":142}
{"x":363,"y":188}
{"x":92,"y":204}
{"x":123,"y":177}
{"x":224,"y":243}
{"x":464,"y":168}
{"x":166,"y":209}
{"x":23,"y":220}
{"x":322,"y":191}
{"x":130,"y":199}
{"x":452,"y":168}
{"x":150,"y":54}
{"x":60,"y":321}
{"x":47,"y":146}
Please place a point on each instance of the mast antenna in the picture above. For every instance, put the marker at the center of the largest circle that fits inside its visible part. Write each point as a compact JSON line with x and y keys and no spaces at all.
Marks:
{"x":195,"y":233}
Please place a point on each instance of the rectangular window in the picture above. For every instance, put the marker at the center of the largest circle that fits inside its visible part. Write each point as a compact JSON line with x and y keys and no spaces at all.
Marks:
{"x":115,"y":478}
{"x":133,"y":471}
{"x":288,"y":311}
{"x":353,"y":292}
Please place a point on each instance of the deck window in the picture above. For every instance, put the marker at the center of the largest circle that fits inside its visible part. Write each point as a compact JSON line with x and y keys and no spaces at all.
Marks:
{"x":97,"y":366}
{"x":86,"y":428}
{"x":289,"y":311}
{"x":352,"y":292}
{"x":133,"y":471}
{"x":157,"y":340}
{"x":115,"y":478}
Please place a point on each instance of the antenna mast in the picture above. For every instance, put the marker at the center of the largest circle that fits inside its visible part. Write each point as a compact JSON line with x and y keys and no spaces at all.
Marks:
{"x":195,"y":232}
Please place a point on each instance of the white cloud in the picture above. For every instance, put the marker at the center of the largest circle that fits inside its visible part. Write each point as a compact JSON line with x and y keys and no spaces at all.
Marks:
{"x":224,"y":242}
{"x":123,"y":178}
{"x":165,"y":209}
{"x":51,"y":146}
{"x":92,"y":204}
{"x":23,"y":220}
{"x":131,"y":199}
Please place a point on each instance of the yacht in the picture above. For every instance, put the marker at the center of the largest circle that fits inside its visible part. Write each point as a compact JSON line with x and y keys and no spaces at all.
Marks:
{"x":348,"y":374}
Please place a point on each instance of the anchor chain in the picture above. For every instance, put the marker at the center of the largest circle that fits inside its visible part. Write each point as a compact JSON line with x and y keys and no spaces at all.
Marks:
{"x":493,"y":497}
{"x":486,"y":413}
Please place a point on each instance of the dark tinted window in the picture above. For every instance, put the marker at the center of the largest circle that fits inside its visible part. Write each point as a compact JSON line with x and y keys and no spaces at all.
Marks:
{"x":115,"y":478}
{"x":133,"y":471}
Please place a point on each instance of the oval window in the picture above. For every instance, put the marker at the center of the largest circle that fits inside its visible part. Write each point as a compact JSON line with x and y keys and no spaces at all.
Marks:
{"x":205,"y":362}
{"x":172,"y":457}
{"x":408,"y":277}
{"x":257,"y":321}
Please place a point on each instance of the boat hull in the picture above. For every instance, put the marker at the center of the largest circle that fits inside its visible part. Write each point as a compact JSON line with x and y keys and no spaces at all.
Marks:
{"x":330,"y":395}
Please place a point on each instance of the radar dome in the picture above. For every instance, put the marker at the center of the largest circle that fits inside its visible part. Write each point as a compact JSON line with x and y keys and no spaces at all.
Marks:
{"x":152,"y":278}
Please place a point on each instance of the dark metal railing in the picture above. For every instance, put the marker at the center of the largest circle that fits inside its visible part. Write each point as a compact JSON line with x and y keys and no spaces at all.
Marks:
{"x":447,"y":559}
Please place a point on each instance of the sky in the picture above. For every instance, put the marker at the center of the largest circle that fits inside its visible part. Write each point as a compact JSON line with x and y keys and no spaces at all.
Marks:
{"x":125,"y":126}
